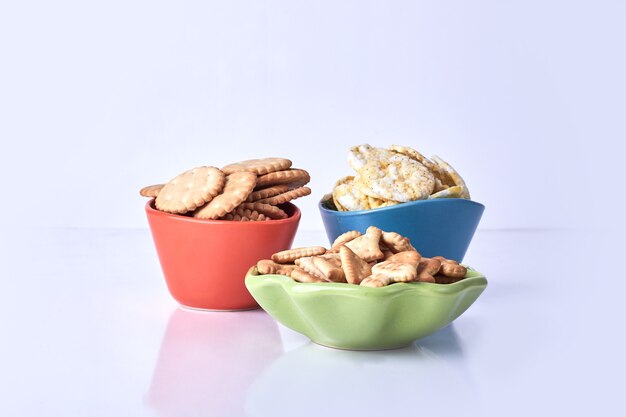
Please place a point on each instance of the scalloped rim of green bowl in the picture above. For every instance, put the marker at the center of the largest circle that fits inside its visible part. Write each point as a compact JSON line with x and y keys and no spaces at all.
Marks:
{"x":473,"y":278}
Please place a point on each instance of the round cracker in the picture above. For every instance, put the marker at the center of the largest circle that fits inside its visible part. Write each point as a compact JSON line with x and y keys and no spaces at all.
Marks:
{"x":151,"y":190}
{"x":288,"y":196}
{"x":191,"y":189}
{"x":237,"y":188}
{"x":268,"y":210}
{"x":267,"y":192}
{"x":244,"y":215}
{"x":292,"y":177}
{"x":258,"y":166}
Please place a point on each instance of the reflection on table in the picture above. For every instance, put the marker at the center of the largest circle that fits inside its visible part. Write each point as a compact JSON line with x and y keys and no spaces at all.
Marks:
{"x":313,"y":381}
{"x":208,"y":360}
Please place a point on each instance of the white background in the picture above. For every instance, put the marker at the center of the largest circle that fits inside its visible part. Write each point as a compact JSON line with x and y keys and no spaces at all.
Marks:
{"x":98,"y":99}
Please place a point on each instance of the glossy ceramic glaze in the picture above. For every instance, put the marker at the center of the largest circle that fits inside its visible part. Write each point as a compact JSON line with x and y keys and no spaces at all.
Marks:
{"x":205,"y":261}
{"x":442,"y":226}
{"x":348,"y":316}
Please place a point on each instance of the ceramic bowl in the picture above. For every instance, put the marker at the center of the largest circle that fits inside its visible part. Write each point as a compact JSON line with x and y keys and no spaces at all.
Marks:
{"x":205,"y":261}
{"x":352,"y":317}
{"x":443,"y":226}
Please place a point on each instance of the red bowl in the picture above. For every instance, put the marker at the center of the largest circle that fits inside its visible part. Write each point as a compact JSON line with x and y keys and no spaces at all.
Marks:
{"x":205,"y":261}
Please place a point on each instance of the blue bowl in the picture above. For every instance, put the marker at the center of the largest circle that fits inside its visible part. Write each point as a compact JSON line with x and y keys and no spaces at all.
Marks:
{"x":442,"y":226}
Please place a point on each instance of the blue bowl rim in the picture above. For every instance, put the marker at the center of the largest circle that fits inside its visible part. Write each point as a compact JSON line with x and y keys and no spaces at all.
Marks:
{"x":396,"y":207}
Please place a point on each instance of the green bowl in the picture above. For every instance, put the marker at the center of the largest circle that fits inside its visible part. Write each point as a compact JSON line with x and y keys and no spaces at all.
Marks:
{"x":346,"y":316}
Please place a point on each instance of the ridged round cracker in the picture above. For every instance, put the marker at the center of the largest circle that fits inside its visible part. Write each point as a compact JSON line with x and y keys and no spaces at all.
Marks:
{"x":151,"y":190}
{"x":291,"y":177}
{"x":268,"y":210}
{"x":245,"y":215}
{"x":190,"y":190}
{"x":398,"y":178}
{"x":288,"y":196}
{"x":237,"y":188}
{"x":267,"y":192}
{"x":258,"y":166}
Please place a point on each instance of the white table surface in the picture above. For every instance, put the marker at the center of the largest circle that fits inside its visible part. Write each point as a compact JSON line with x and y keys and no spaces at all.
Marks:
{"x":89,"y":329}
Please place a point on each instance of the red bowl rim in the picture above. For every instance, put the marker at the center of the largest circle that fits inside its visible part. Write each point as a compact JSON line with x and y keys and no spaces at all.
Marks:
{"x":152,"y":211}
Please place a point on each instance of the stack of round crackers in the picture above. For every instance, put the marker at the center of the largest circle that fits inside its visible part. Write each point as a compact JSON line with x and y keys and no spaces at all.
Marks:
{"x":249,"y":190}
{"x":386,"y":177}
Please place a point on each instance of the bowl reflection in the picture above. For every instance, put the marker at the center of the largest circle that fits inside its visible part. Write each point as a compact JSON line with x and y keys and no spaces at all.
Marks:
{"x":317,"y":381}
{"x":354,"y":317}
{"x":208,"y":360}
